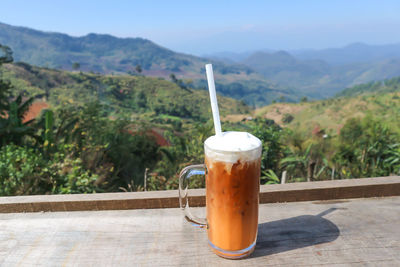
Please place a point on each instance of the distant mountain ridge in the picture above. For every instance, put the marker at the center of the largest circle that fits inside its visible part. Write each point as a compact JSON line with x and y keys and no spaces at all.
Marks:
{"x":258,"y":79}
{"x":59,"y":50}
{"x":349,"y":54}
{"x":352,"y":53}
{"x":108,"y":54}
{"x":323,"y":73}
{"x":273,"y":63}
{"x":317,"y":74}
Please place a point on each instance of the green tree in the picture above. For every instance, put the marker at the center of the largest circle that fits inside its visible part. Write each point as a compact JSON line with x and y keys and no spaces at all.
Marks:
{"x":6,"y":56}
{"x":287,"y":118}
{"x":5,"y":87}
{"x":5,"y":93}
{"x":273,"y":149}
{"x":366,"y":148}
{"x":138,"y":69}
{"x":12,"y":127}
{"x":304,"y":99}
{"x":76,"y":66}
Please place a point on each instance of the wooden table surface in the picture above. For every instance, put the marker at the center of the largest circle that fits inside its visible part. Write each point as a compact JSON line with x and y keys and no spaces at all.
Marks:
{"x":339,"y":232}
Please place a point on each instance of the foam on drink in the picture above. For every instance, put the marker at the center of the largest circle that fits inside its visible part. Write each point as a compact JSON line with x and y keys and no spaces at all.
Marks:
{"x":232,"y":147}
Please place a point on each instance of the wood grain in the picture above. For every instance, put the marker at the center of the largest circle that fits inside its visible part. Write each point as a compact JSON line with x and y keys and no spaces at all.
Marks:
{"x":360,"y":232}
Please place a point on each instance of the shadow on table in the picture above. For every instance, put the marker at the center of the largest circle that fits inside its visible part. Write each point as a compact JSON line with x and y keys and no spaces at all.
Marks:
{"x":297,"y":232}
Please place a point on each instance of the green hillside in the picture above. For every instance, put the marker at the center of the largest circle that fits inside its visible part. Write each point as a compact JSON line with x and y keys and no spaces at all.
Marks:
{"x":94,"y":52}
{"x":331,"y":114}
{"x":344,"y":137}
{"x":106,"y":54}
{"x":86,"y":132}
{"x":106,"y":133}
{"x":123,"y":95}
{"x":386,"y":86}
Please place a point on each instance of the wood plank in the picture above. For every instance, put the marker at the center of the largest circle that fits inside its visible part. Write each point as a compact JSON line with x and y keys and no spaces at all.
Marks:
{"x":341,"y":232}
{"x":324,"y":190}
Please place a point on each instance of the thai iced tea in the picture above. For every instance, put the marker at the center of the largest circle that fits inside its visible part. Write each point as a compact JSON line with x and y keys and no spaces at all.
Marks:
{"x":232,"y":193}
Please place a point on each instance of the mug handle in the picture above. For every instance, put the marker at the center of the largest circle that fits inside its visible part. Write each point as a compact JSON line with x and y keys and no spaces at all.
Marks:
{"x":184,"y":177}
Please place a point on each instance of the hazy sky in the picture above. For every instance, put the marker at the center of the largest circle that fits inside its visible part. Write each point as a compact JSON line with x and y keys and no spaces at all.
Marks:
{"x":201,"y":27}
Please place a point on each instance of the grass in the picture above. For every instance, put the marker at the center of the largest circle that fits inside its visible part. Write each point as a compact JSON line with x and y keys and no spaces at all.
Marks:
{"x":331,"y":114}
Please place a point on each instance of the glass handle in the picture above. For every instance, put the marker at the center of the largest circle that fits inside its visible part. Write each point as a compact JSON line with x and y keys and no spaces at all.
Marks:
{"x":184,"y":177}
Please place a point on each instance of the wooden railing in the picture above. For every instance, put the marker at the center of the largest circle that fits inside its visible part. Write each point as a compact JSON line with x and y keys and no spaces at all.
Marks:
{"x":308,"y":191}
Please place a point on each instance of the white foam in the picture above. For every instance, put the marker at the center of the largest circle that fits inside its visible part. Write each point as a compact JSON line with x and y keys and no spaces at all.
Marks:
{"x":233,"y":146}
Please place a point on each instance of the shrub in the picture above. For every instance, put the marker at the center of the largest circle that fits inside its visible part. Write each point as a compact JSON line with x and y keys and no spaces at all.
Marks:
{"x":24,"y":171}
{"x":287,"y":118}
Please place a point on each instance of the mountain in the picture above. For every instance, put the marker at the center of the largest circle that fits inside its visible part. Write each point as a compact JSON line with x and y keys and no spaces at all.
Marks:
{"x":94,"y":52}
{"x":233,"y":57}
{"x":287,"y":70}
{"x":228,"y":57}
{"x":350,"y":54}
{"x":101,"y":53}
{"x":315,"y":77}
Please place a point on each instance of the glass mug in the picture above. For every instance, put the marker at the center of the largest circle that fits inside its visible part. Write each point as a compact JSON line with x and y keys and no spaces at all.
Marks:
{"x":232,"y":193}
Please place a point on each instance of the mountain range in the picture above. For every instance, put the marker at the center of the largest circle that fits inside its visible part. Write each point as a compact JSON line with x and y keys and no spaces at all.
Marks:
{"x":258,"y":78}
{"x":322,"y":73}
{"x":101,"y":53}
{"x":352,"y":53}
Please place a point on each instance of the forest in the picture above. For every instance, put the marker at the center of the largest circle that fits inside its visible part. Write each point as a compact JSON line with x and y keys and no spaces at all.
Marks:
{"x":106,"y":133}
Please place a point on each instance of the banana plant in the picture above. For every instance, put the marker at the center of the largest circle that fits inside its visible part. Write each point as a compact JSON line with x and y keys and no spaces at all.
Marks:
{"x":270,"y":177}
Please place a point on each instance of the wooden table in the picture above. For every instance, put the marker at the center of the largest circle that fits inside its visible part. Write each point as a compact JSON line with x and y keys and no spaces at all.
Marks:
{"x":336,"y":232}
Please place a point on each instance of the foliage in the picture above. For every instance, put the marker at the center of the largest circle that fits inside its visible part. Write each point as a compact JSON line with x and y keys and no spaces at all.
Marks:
{"x":107,"y":133}
{"x":117,"y":150}
{"x":24,"y":171}
{"x":273,"y":148}
{"x":331,"y":114}
{"x":367,"y":147}
{"x":120,"y":94}
{"x":5,"y":92}
{"x":6,"y":54}
{"x":304,"y":99}
{"x":12,"y":128}
{"x":76,"y":66}
{"x":287,"y":118}
{"x":385,"y":86}
{"x":270,"y":176}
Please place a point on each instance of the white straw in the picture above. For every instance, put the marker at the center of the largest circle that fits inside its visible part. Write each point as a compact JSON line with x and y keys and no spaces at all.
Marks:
{"x":213,"y":99}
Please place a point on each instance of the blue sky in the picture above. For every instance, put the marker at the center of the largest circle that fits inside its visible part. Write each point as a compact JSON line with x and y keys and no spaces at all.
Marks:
{"x":202,"y":27}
